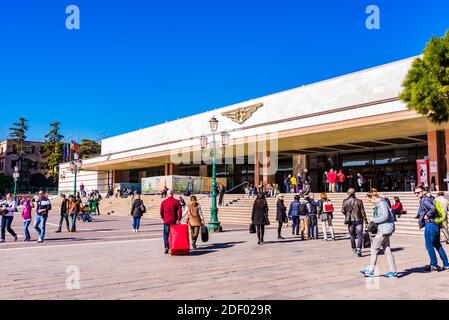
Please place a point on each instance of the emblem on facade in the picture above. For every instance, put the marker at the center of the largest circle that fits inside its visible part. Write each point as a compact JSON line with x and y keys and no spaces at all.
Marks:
{"x":240,"y":115}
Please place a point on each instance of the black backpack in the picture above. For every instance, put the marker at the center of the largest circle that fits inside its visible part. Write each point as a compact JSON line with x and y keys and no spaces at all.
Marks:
{"x":302,"y":209}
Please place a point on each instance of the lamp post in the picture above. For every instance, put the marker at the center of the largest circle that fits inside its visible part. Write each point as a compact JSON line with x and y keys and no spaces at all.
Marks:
{"x":15,"y":176}
{"x":75,"y":167}
{"x":214,"y":224}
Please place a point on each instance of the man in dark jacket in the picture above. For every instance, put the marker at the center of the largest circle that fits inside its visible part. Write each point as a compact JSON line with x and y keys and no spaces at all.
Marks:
{"x":171,"y":213}
{"x":427,"y":213}
{"x":64,"y":213}
{"x":312,"y":206}
{"x":293,"y":214}
{"x":353,"y":207}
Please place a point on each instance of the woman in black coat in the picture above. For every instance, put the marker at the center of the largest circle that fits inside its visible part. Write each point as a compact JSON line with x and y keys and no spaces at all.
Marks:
{"x":260,"y":209}
{"x":137,"y":211}
{"x":281,"y":214}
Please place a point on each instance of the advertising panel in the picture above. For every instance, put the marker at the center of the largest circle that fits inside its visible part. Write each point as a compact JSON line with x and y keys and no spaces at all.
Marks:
{"x":423,"y":172}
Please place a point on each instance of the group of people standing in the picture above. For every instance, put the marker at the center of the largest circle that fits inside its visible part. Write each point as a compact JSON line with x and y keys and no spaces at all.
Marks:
{"x":9,"y":207}
{"x":337,"y":181}
{"x":299,"y":183}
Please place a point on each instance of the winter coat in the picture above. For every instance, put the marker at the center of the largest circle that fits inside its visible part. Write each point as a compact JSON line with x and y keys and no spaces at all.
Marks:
{"x":136,"y":210}
{"x":259,"y":211}
{"x":281,"y":211}
{"x":383,"y":217}
{"x":293,"y":211}
{"x":170,"y":210}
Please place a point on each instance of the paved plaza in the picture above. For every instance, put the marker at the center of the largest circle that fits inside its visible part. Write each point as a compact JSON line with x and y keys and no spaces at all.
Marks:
{"x":115,"y":263}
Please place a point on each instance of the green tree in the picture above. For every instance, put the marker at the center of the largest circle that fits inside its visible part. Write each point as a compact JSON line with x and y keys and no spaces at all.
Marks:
{"x":6,"y":183}
{"x":89,"y":148}
{"x":426,"y":87}
{"x":53,"y":152}
{"x":18,"y":136}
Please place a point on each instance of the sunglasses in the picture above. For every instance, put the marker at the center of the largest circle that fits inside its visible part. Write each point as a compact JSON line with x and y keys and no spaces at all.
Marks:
{"x":417,"y":193}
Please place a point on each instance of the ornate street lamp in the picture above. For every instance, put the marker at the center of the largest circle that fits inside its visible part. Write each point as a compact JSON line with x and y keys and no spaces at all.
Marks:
{"x":75,"y":167}
{"x":214,"y":224}
{"x":15,"y":176}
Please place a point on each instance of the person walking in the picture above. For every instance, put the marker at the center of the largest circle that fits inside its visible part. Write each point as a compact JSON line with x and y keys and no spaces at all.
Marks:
{"x":326,"y":214}
{"x":427,"y":215}
{"x":27,"y":218}
{"x":194,"y":219}
{"x":281,"y":214}
{"x":43,"y":206}
{"x":355,"y":216}
{"x":8,"y":210}
{"x":383,"y":218}
{"x":325,"y":182}
{"x":258,"y":216}
{"x":304,"y":219}
{"x":287,"y":183}
{"x":442,"y":204}
{"x":312,"y":207}
{"x":360,"y":182}
{"x":65,"y":203}
{"x":332,"y":178}
{"x":74,"y":208}
{"x":221,"y":192}
{"x":137,"y":211}
{"x":293,"y":214}
{"x":171,"y":213}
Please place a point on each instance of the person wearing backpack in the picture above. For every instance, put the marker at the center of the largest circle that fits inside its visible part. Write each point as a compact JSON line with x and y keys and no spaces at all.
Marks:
{"x":428,"y":214}
{"x":355,"y":216}
{"x":304,"y":219}
{"x":137,"y":211}
{"x":293,"y":214}
{"x":442,"y":206}
{"x":383,"y":218}
{"x":325,"y":214}
{"x":194,"y":219}
{"x":312,"y":207}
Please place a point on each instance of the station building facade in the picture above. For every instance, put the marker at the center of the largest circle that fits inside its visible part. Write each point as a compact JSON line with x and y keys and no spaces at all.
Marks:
{"x":355,"y":122}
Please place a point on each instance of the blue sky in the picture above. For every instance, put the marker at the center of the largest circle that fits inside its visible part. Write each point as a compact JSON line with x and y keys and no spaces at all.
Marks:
{"x":137,"y":63}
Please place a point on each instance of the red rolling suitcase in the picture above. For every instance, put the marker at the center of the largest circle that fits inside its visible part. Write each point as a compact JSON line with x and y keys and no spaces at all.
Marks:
{"x":178,"y":239}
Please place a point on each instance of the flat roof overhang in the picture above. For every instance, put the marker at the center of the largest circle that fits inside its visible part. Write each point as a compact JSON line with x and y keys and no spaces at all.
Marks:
{"x":393,"y":125}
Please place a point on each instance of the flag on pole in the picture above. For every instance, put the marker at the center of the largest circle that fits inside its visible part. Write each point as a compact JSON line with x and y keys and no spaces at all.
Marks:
{"x":74,"y":146}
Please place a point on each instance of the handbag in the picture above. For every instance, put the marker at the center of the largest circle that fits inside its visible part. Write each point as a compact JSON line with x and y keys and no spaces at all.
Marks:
{"x":267,"y":220}
{"x":366,"y":240}
{"x":285,"y":219}
{"x":252,"y":228}
{"x":372,"y":227}
{"x":204,"y":233}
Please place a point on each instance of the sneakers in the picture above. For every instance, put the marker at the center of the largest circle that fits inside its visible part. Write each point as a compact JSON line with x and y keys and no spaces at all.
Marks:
{"x":57,"y":231}
{"x":359,"y":253}
{"x":193,"y":245}
{"x":391,"y":275}
{"x":433,"y":268}
{"x":16,"y":237}
{"x":354,"y":251}
{"x":166,"y":251}
{"x":2,"y":240}
{"x":40,"y":240}
{"x":446,"y":268}
{"x":367,"y":273}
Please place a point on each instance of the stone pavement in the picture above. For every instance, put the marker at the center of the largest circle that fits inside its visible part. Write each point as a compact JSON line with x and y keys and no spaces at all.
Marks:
{"x":119,"y":264}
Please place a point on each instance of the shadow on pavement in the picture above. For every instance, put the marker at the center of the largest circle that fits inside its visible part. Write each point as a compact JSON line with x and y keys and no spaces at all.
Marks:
{"x":223,"y":245}
{"x":200,"y":252}
{"x":410,"y":271}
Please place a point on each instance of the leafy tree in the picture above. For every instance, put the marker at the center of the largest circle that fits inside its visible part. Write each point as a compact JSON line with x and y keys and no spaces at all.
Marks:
{"x":426,"y":87}
{"x":89,"y":148}
{"x":53,"y":152}
{"x":18,"y":136}
{"x":6,"y":183}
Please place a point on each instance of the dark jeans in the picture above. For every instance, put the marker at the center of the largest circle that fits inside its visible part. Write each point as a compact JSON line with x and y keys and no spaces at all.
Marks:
{"x":220,"y":199}
{"x":6,"y":224}
{"x":260,"y":229}
{"x":73,"y":216}
{"x":395,"y":212}
{"x":136,"y":222}
{"x":313,"y":226}
{"x":432,"y":237}
{"x":295,"y":226}
{"x":166,"y":233}
{"x":279,"y":228}
{"x":356,"y":229}
{"x":64,"y":216}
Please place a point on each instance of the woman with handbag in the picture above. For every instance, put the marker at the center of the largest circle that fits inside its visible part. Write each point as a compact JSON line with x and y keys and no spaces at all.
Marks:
{"x":9,"y":207}
{"x":194,"y":219}
{"x":259,"y":216}
{"x":281,"y":214}
{"x":325,"y":214}
{"x":137,"y":211}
